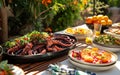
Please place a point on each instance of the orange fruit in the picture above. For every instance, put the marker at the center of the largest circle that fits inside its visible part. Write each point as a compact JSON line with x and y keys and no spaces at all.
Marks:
{"x":105,"y":18}
{"x":95,"y":18}
{"x":100,"y":17}
{"x":97,"y":22}
{"x":103,"y":22}
{"x":109,"y":22}
{"x":89,"y":20}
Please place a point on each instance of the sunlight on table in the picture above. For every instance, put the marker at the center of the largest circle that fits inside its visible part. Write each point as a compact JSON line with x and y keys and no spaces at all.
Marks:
{"x":117,"y":65}
{"x":31,"y":73}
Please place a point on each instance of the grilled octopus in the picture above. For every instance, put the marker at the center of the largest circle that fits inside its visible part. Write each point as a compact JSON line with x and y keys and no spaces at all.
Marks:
{"x":56,"y":45}
{"x":52,"y":44}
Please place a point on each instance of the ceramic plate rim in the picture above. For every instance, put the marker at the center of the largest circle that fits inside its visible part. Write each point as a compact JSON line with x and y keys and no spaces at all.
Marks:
{"x":82,"y":62}
{"x":112,"y":49}
{"x":91,"y":68}
{"x":110,"y":33}
{"x":94,"y":42}
{"x":17,"y":68}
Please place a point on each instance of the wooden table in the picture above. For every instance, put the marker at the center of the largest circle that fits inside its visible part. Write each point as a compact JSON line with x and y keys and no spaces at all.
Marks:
{"x":35,"y":68}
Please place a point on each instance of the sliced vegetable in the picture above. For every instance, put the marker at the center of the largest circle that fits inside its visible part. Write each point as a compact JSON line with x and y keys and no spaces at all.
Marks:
{"x":92,"y":55}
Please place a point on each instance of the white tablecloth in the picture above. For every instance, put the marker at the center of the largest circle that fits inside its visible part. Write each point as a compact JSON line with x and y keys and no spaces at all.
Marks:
{"x":113,"y":71}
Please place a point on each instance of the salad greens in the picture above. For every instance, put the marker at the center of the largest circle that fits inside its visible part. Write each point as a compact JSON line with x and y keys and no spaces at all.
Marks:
{"x":5,"y":67}
{"x":107,"y":40}
{"x":34,"y":35}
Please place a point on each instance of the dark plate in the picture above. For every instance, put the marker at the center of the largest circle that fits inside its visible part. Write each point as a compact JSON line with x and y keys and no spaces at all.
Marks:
{"x":36,"y":58}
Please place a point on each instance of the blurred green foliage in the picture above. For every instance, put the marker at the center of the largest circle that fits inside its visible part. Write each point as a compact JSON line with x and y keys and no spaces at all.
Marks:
{"x":114,"y":3}
{"x":55,"y":14}
{"x":49,"y":14}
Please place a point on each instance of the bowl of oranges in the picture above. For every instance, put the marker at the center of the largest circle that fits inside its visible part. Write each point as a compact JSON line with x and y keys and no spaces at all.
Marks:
{"x":104,"y":20}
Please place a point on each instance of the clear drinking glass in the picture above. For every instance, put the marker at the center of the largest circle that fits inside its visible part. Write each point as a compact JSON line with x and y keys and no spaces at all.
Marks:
{"x":89,"y":37}
{"x":97,"y":29}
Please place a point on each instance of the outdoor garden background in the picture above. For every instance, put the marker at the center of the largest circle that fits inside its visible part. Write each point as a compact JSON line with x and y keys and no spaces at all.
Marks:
{"x":18,"y":17}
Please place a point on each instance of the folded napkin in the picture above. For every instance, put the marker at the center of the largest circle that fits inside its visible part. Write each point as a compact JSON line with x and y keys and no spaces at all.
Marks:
{"x":55,"y":69}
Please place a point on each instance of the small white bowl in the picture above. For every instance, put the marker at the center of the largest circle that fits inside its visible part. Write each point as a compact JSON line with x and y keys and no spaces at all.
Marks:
{"x":81,"y":36}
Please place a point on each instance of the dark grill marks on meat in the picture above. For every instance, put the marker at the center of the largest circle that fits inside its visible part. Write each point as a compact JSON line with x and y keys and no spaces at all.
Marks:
{"x":51,"y":44}
{"x":27,"y":48}
{"x":65,"y":39}
{"x":36,"y":47}
{"x":13,"y":49}
{"x":62,"y":44}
